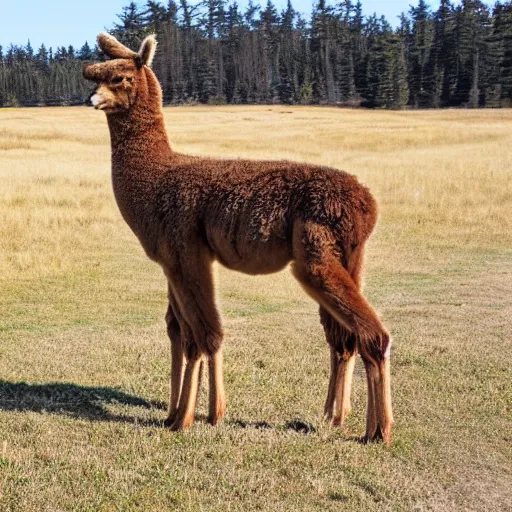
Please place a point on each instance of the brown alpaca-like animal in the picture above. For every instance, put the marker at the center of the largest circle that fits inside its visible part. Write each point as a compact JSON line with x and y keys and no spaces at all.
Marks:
{"x":252,"y":216}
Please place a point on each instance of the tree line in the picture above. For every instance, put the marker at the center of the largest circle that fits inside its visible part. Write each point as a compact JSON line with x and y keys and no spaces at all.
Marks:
{"x":458,"y":55}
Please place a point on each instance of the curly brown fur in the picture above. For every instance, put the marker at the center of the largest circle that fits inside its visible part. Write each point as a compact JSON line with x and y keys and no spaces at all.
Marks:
{"x":252,"y":216}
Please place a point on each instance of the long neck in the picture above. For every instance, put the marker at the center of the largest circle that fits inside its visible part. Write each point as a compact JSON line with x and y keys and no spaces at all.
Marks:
{"x":140,"y":150}
{"x":138,"y":137}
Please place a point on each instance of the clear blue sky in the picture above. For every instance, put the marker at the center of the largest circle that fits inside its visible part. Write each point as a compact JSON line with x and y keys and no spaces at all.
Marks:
{"x":65,"y":22}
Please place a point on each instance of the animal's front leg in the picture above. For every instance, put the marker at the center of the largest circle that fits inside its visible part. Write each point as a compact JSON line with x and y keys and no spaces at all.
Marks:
{"x":337,"y":405}
{"x":176,"y":381}
{"x":331,"y":393}
{"x":344,"y":387}
{"x":186,"y":410}
{"x":192,"y":286}
{"x":177,"y":359}
{"x":342,"y":344}
{"x":217,"y":402}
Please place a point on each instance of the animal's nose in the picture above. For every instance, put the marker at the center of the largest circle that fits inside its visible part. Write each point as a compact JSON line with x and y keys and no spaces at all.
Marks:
{"x":88,"y":101}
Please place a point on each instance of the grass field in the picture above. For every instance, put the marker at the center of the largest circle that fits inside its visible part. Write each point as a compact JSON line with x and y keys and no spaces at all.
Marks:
{"x":84,"y":356}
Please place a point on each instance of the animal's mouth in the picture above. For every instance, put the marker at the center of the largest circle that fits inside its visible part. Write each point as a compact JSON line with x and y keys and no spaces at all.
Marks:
{"x":96,"y":101}
{"x":102,"y":106}
{"x":99,"y":103}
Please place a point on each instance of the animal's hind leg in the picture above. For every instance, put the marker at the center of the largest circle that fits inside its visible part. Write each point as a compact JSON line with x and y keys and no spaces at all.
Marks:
{"x":342,"y":345}
{"x":379,"y":417}
{"x":343,"y":349}
{"x":317,"y":267}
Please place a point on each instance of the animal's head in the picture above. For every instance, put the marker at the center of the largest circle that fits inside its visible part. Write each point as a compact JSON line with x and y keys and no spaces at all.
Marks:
{"x":124,"y":80}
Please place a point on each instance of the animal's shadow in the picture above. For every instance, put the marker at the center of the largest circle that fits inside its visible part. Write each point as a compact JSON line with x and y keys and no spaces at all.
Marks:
{"x":296,"y":425}
{"x":73,"y":400}
{"x":89,"y":402}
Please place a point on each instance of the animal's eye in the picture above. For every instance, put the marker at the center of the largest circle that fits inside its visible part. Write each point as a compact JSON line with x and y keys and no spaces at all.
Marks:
{"x":117,"y":80}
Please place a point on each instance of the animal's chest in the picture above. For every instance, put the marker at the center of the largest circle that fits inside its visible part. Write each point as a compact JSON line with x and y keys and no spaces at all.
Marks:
{"x":134,"y":200}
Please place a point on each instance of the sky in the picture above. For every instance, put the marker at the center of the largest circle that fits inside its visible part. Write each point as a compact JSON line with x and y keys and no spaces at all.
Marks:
{"x":64,"y":22}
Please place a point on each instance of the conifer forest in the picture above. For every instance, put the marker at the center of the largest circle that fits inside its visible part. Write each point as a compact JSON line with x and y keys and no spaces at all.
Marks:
{"x":214,"y":52}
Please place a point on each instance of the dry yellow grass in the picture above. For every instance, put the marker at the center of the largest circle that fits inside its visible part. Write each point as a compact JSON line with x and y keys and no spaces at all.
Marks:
{"x":82,"y":307}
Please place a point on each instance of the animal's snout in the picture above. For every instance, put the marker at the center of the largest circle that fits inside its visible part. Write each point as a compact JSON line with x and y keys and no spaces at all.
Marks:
{"x":93,"y":99}
{"x":88,"y":101}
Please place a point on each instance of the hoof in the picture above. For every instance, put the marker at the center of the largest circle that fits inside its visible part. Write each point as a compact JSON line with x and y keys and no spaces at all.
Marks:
{"x":386,"y":437}
{"x":170,"y":419}
{"x":217,"y":418}
{"x":379,"y":436}
{"x":175,"y":427}
{"x":214,"y":420}
{"x":337,"y":421}
{"x":181,"y":424}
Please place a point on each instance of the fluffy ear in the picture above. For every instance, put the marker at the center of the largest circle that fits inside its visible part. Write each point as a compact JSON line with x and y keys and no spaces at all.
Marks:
{"x":113,"y":48}
{"x":147,"y":51}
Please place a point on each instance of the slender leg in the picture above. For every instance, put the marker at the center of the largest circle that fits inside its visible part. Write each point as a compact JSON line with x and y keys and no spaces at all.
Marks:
{"x":371,"y":406}
{"x":217,"y":402}
{"x":342,"y":344}
{"x":173,"y":330}
{"x":188,"y":399}
{"x":331,"y":392}
{"x":381,"y":375}
{"x":380,"y":416}
{"x":344,"y":388}
{"x":176,"y":381}
{"x":337,"y":406}
{"x":321,"y":274}
{"x":386,"y":419}
{"x":192,"y":287}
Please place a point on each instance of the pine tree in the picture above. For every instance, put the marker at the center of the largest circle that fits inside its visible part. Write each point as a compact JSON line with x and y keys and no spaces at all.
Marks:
{"x":155,"y":16}
{"x":359,"y":47}
{"x":323,"y":41}
{"x":288,"y":76}
{"x":42,"y":58}
{"x":269,"y":29}
{"x":250,"y":14}
{"x":502,"y":35}
{"x":234,"y":22}
{"x":443,"y":57}
{"x":419,"y":54}
{"x":401,"y":86}
{"x":472,"y":25}
{"x":85,"y":52}
{"x":474,"y":93}
{"x":206,"y":80}
{"x":29,"y":51}
{"x":61,"y":54}
{"x":132,"y":27}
